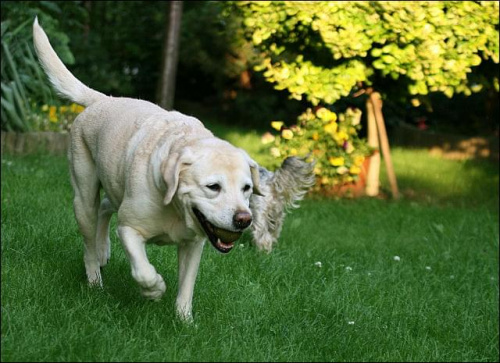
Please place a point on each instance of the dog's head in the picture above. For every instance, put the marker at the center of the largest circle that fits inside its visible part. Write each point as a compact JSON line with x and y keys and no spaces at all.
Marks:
{"x":212,"y":182}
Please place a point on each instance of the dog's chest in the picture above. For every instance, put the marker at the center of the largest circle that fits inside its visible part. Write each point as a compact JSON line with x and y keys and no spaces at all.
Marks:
{"x":173,"y":238}
{"x":170,"y":231}
{"x":161,"y":240}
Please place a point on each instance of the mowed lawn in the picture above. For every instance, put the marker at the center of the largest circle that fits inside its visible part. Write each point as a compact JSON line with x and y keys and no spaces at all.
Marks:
{"x":350,"y":280}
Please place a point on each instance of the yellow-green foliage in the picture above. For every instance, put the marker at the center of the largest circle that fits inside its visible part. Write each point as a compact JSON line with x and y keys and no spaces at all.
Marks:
{"x":321,"y":50}
{"x":330,"y":140}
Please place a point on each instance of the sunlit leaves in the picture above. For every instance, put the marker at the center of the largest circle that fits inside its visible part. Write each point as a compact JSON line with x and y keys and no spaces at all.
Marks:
{"x":320,"y":50}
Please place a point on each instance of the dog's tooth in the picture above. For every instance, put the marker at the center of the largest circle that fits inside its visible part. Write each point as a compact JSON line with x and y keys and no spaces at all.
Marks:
{"x":224,"y":246}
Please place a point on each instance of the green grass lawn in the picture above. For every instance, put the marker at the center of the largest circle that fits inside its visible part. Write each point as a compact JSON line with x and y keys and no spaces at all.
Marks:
{"x":350,"y":280}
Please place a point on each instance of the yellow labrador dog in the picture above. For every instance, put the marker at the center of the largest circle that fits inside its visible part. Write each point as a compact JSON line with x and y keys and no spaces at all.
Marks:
{"x":166,"y":176}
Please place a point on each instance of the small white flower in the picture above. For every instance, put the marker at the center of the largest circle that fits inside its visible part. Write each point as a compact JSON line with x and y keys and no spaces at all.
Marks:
{"x":348,"y":268}
{"x":397,"y":258}
{"x":318,"y":264}
{"x":428,"y":268}
{"x":242,"y":245}
{"x":350,"y":322}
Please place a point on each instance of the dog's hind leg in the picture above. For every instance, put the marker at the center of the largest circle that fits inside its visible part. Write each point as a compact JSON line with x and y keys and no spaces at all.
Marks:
{"x":106,"y":211}
{"x":86,"y":204}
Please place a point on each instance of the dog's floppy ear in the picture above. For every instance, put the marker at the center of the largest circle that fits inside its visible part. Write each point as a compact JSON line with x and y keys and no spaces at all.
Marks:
{"x":171,"y":169}
{"x":254,"y":170}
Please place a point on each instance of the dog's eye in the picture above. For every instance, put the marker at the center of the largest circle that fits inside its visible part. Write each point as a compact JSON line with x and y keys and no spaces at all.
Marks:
{"x":214,"y":187}
{"x":246,"y":188}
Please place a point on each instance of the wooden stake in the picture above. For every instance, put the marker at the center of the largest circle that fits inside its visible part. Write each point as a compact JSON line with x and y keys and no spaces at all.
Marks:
{"x":376,"y":101}
{"x":373,"y":175}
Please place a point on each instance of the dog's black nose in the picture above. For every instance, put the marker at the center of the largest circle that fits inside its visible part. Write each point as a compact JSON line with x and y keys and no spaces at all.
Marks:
{"x":242,"y":220}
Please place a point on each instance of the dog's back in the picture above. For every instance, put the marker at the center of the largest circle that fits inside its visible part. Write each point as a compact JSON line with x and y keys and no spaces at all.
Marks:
{"x":126,"y":121}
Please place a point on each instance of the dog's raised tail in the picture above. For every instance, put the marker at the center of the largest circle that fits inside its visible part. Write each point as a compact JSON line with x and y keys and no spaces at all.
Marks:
{"x":61,"y":78}
{"x":293,"y":180}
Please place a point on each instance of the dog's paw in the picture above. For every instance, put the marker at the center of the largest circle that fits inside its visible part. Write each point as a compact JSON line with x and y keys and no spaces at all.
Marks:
{"x":154,"y":290}
{"x":104,"y":252}
{"x":267,"y":248}
{"x":264,"y":243}
{"x":94,"y":278}
{"x":186,"y":319}
{"x":185,"y":315}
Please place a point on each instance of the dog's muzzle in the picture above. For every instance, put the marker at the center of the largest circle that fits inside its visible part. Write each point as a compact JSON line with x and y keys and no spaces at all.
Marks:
{"x":221,"y":239}
{"x":242,"y":220}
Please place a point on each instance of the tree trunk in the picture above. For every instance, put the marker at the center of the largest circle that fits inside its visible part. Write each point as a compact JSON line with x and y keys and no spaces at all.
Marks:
{"x":86,"y":25}
{"x":170,"y":56}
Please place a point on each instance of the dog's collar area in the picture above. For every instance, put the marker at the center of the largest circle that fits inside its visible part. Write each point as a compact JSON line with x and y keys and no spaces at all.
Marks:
{"x":221,"y":239}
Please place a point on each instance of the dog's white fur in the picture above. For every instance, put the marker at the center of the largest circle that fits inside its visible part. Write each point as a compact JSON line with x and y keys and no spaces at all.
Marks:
{"x":283,"y":189}
{"x":154,"y":166}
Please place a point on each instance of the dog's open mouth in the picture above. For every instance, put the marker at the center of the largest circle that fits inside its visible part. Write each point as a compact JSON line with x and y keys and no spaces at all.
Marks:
{"x":221,"y":239}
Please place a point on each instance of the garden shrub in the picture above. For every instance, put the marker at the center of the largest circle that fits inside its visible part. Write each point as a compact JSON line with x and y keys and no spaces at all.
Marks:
{"x":332,"y":141}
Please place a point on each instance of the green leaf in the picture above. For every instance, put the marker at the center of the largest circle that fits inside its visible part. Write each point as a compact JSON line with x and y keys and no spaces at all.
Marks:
{"x":475,"y":60}
{"x":376,"y":52}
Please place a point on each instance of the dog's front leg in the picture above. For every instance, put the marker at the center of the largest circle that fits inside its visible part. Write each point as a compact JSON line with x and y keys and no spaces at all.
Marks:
{"x":152,"y":284}
{"x":189,"y":255}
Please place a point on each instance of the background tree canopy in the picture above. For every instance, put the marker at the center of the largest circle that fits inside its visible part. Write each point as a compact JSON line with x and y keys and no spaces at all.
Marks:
{"x":232,"y":54}
{"x":323,"y":50}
